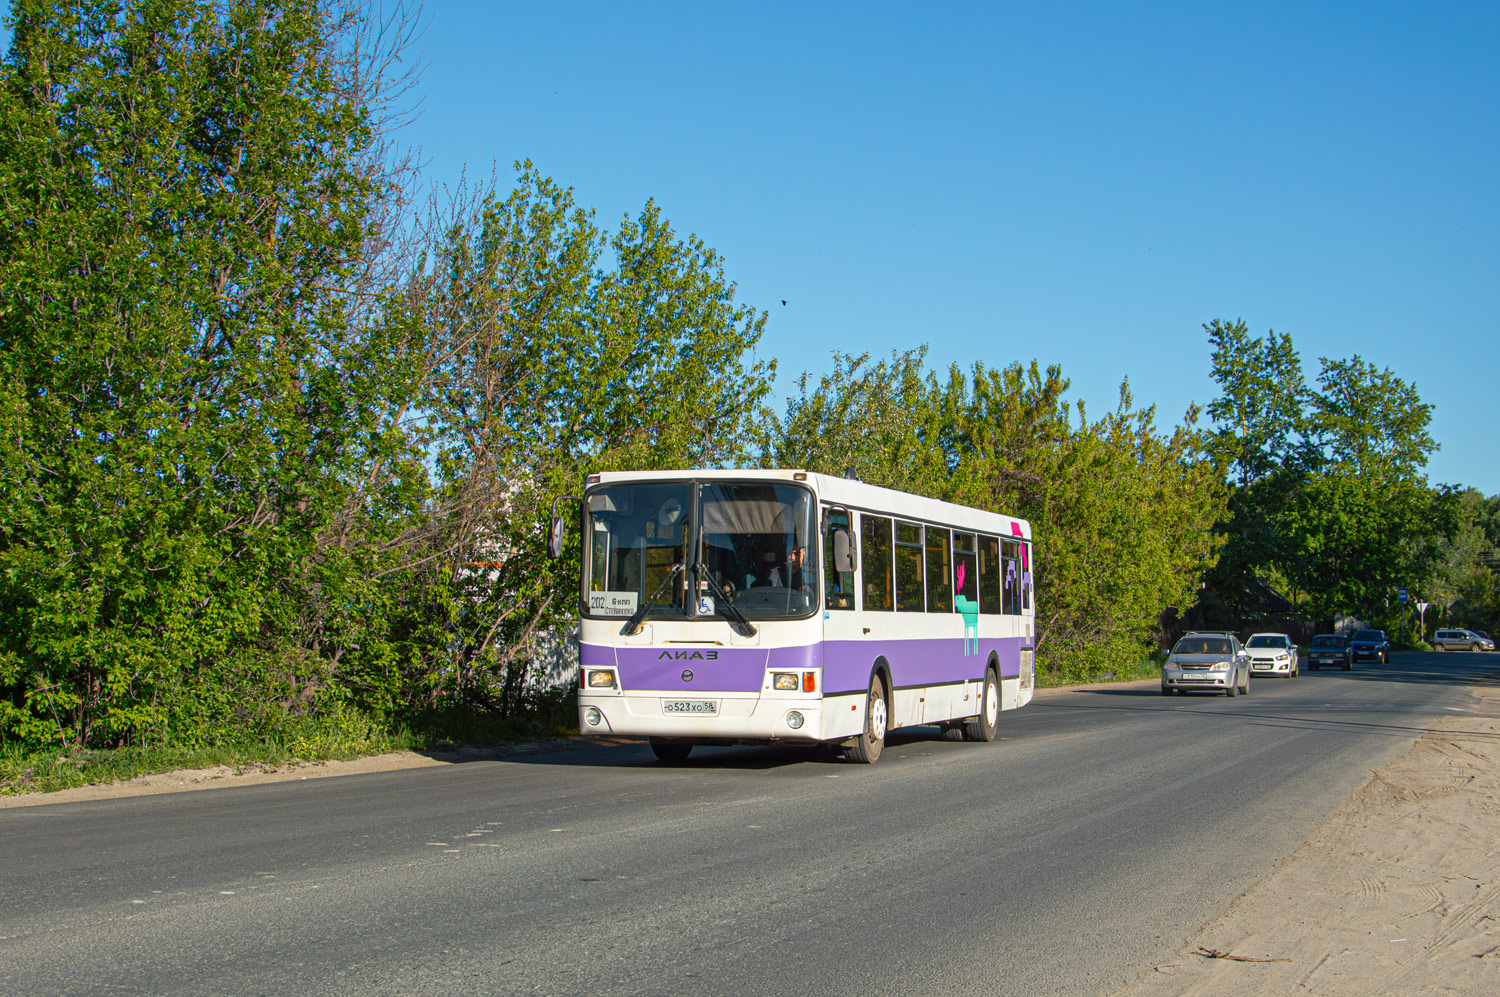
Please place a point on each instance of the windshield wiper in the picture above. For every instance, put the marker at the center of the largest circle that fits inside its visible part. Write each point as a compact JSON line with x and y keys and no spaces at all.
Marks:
{"x":633,"y":625}
{"x":700,"y":570}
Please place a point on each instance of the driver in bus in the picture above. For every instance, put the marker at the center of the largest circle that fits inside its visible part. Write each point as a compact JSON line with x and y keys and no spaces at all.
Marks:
{"x":790,"y":575}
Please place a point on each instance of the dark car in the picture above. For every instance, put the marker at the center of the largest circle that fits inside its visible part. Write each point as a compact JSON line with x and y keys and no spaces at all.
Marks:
{"x":1330,"y":651}
{"x":1370,"y":644}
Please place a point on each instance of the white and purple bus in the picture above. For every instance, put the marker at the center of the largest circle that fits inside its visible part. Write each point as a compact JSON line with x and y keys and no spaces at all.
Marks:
{"x":782,"y":606}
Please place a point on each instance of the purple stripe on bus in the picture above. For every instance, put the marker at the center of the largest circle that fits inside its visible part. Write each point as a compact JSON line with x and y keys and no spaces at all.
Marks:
{"x":846,"y":664}
{"x":932,"y":661}
{"x":716,"y":669}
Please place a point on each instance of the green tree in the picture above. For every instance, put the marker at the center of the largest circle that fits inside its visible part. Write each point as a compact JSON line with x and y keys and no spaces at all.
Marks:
{"x":1260,"y":410}
{"x":561,"y":350}
{"x":1121,"y":514}
{"x":1362,"y":519}
{"x":1260,"y":441}
{"x":874,"y":419}
{"x":190,"y":188}
{"x":278,"y":446}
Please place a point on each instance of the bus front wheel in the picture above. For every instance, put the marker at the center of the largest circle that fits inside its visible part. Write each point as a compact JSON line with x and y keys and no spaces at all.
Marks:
{"x":983,"y":727}
{"x":865,"y":748}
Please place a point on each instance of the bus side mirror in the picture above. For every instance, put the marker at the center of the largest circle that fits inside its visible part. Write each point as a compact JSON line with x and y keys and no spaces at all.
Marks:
{"x":844,"y":557}
{"x":557,"y":529}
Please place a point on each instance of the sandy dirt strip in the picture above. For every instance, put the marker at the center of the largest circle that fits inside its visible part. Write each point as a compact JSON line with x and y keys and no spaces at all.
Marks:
{"x":1398,"y":893}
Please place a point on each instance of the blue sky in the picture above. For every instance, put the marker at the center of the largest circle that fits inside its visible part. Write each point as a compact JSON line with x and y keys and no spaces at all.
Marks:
{"x":1083,"y":184}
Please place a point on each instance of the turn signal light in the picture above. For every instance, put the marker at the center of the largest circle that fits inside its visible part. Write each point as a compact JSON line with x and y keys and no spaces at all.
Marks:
{"x":809,"y":681}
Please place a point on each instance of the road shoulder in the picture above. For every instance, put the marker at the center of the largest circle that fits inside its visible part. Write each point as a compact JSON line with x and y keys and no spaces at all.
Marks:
{"x":1398,"y":892}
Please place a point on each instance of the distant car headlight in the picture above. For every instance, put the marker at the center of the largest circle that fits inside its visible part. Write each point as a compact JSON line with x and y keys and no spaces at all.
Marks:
{"x":1283,"y":656}
{"x":1221,"y":666}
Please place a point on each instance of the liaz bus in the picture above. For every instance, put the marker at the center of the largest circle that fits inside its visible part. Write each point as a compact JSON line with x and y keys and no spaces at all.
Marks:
{"x":788,"y":607}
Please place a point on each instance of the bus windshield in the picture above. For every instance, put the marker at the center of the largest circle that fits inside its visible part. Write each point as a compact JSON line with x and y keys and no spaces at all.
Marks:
{"x":646,"y":542}
{"x":757,"y":544}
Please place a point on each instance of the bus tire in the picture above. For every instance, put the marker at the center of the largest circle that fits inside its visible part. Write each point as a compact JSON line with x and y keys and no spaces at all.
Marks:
{"x":983,"y":727}
{"x":671,"y":753}
{"x":953,"y":732}
{"x":865,"y":749}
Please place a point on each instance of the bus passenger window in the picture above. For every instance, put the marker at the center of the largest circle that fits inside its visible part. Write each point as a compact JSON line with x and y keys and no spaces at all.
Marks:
{"x":989,"y":575}
{"x":875,"y":564}
{"x":965,"y":574}
{"x":939,"y":570}
{"x":838,"y":585}
{"x":1011,"y":566}
{"x":909,"y":588}
{"x":1026,"y":576}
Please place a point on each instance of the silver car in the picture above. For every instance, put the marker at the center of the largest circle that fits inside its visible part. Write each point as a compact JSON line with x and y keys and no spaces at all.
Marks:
{"x":1210,"y":661}
{"x":1461,"y":640}
{"x":1273,"y":654}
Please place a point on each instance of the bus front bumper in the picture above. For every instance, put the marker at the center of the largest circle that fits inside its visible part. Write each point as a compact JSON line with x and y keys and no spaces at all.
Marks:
{"x":727,"y":718}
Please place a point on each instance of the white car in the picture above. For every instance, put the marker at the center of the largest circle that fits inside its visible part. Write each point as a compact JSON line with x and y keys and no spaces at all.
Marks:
{"x":1213,"y":661}
{"x":1272,"y":654}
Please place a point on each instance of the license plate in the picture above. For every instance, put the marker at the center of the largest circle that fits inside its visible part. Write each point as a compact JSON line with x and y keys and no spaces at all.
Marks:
{"x":699,"y":706}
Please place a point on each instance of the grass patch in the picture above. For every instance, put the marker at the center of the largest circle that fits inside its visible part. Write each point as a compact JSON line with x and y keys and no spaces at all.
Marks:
{"x":42,"y":771}
{"x":337,"y":734}
{"x":551,"y":714}
{"x":1148,"y":667}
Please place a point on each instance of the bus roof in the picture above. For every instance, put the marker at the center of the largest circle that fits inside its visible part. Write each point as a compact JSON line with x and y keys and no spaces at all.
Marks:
{"x":849,"y":492}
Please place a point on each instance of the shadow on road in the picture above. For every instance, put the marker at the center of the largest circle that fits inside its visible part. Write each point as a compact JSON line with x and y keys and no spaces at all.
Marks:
{"x":634,"y":752}
{"x":1411,"y":667}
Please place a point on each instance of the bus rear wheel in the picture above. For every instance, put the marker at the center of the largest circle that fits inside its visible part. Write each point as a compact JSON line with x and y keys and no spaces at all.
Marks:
{"x":865,"y":749}
{"x":983,"y":727}
{"x":671,"y":752}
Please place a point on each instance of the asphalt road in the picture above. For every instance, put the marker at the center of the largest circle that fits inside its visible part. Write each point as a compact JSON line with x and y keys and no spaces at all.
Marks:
{"x":1063,"y":859}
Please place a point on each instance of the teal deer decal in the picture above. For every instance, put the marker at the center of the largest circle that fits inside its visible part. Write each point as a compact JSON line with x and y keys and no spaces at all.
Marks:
{"x":970,"y":610}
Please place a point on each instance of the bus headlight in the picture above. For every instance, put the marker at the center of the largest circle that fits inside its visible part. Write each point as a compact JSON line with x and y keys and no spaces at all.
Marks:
{"x":601,"y":680}
{"x":784,"y":681}
{"x":794,"y":720}
{"x":592,"y":716}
